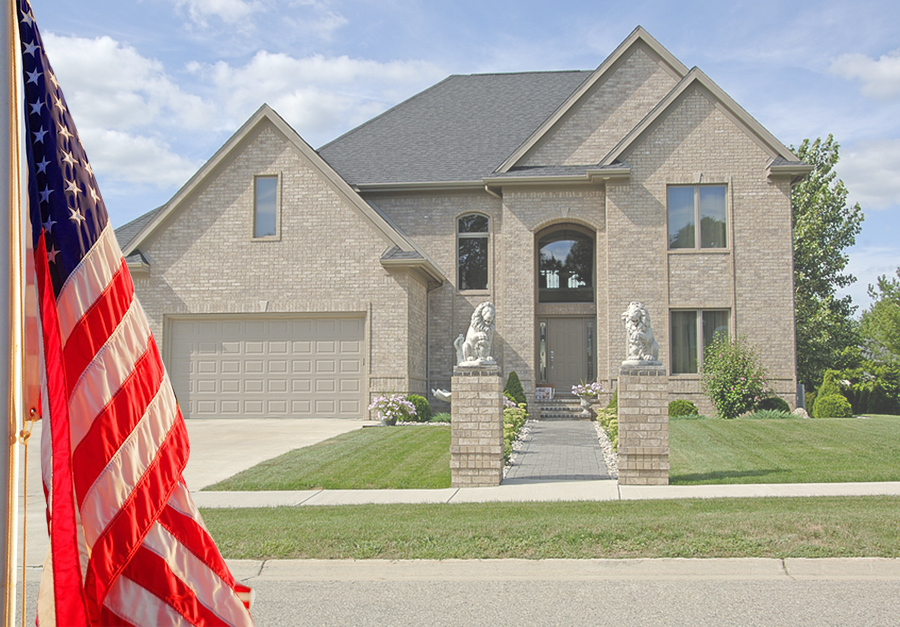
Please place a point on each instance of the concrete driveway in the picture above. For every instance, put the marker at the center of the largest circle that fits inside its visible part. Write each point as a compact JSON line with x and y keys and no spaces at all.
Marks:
{"x":219,"y":449}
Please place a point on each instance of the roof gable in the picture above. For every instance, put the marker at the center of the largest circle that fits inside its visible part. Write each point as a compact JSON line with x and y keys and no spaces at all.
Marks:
{"x":139,"y":230}
{"x":638,"y":44}
{"x":780,"y":155}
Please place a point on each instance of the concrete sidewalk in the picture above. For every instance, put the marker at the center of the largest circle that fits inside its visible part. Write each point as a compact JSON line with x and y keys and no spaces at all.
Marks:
{"x":600,"y":490}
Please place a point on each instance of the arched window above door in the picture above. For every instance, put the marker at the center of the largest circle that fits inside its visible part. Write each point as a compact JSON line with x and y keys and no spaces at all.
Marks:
{"x":566,"y":266}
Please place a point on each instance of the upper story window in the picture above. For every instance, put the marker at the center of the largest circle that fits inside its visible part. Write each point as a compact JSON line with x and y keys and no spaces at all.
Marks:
{"x":566,"y":267}
{"x":472,"y":252}
{"x":696,"y":216}
{"x":265,"y":210}
{"x":692,"y":333}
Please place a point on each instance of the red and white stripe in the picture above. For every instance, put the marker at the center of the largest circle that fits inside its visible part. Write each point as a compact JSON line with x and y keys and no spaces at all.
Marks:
{"x":123,"y":526}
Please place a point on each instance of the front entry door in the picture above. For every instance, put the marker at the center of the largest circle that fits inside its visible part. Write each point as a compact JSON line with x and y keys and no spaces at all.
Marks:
{"x":567,"y":351}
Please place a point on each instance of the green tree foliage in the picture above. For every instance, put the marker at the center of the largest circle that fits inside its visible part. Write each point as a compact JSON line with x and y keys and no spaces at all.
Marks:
{"x":880,"y":323}
{"x":824,"y":227}
{"x":423,"y":408}
{"x":732,"y":376}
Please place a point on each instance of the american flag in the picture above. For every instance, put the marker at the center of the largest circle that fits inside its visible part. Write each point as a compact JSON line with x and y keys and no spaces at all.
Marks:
{"x":127,"y":544}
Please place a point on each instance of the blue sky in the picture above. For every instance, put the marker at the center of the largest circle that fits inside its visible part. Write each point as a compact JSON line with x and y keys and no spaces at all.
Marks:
{"x":157,"y":86}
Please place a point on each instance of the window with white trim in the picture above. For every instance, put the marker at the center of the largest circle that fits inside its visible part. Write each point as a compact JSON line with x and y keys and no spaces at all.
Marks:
{"x":696,"y":216}
{"x":472,"y":234}
{"x":692,"y":331}
{"x":265,"y":206}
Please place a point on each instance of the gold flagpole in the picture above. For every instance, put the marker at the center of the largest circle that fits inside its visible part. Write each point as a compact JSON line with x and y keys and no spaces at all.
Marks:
{"x":11,"y":338}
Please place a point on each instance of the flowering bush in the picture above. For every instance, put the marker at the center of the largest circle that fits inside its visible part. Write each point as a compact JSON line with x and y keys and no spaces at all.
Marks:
{"x":589,"y":390}
{"x":508,"y":404}
{"x":392,"y":407}
{"x":732,"y":376}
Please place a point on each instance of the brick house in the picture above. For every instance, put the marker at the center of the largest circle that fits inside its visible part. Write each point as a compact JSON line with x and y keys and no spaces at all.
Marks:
{"x":284,"y":281}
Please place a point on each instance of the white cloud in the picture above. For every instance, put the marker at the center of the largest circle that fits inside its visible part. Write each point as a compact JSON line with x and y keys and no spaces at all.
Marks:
{"x":319,"y":96}
{"x":136,"y":159}
{"x":229,"y":11}
{"x":870,"y":170}
{"x":880,"y":79}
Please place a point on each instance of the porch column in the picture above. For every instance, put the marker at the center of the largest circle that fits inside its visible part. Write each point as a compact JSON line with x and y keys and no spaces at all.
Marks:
{"x":643,"y":425}
{"x":476,"y":427}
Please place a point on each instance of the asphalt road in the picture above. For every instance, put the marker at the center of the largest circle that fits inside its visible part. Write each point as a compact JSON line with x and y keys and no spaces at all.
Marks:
{"x":496,"y":593}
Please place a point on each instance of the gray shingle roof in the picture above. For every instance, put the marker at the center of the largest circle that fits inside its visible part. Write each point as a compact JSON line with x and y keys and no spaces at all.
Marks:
{"x":461,"y":129}
{"x":126,"y":232}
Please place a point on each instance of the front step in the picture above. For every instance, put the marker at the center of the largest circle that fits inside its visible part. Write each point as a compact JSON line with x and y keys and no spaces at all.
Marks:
{"x":560,"y":408}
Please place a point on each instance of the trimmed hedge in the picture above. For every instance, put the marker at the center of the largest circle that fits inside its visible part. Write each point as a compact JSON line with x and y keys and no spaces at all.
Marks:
{"x":682,"y":407}
{"x":833,"y":406}
{"x":423,"y":408}
{"x":514,"y":390}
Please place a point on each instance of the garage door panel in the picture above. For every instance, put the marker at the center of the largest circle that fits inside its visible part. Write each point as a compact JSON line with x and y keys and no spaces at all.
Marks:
{"x":301,"y":367}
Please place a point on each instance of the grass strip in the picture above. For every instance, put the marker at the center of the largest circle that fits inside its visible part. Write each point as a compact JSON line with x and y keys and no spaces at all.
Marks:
{"x":372,"y":458}
{"x":784,"y":451}
{"x":760,"y":527}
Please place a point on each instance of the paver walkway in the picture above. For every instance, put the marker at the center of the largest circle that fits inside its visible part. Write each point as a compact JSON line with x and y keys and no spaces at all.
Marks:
{"x":558,"y":450}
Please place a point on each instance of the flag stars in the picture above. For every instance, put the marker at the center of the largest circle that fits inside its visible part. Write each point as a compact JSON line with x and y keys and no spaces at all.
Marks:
{"x":30,"y":48}
{"x":45,"y":194}
{"x":28,"y":20}
{"x":42,"y":166}
{"x":76,"y":216}
{"x":72,"y":187}
{"x":51,"y":254}
{"x":59,"y":104}
{"x":36,"y":107}
{"x":87,"y":167}
{"x":64,"y":131}
{"x":52,"y":78}
{"x":39,"y":135}
{"x":94,"y":195}
{"x":68,"y":158}
{"x":33,"y":77}
{"x":48,"y":225}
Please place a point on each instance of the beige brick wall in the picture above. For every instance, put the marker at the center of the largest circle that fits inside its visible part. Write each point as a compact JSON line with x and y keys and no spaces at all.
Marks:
{"x":612,"y":108}
{"x":698,"y":143}
{"x":205,"y":261}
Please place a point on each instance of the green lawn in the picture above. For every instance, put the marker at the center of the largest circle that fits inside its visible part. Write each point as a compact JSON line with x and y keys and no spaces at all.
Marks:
{"x":785,"y":451}
{"x":762,"y":527}
{"x":369,"y":458}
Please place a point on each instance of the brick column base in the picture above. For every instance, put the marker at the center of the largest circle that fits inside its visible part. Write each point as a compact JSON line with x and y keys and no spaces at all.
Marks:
{"x":476,"y":426}
{"x":643,"y":425}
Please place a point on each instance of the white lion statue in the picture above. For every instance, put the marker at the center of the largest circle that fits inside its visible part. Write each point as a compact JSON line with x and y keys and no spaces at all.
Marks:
{"x":474,"y":349}
{"x":642,"y":346}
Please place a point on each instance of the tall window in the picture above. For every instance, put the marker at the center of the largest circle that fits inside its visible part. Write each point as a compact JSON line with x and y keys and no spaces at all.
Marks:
{"x":265,"y":213}
{"x":696,"y":216}
{"x":472,"y":252}
{"x":566,"y":267}
{"x":692,"y":332}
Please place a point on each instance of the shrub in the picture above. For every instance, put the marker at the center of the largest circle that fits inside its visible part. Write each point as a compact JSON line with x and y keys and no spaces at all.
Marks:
{"x":609,"y":420}
{"x":810,"y":401}
{"x":514,"y":389}
{"x":614,"y":401}
{"x":681,"y":407}
{"x":423,"y":408}
{"x":440,"y":417}
{"x":775,"y":403}
{"x":392,"y":407}
{"x":513,"y":421}
{"x":874,"y":388}
{"x":732,"y":376}
{"x":833,"y":406}
{"x":830,"y":384}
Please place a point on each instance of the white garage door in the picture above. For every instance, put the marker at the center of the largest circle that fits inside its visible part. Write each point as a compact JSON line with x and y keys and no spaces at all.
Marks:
{"x":270,"y":367}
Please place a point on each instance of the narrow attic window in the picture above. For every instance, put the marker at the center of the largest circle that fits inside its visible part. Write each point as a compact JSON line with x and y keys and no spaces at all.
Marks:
{"x":472,"y":252}
{"x":265,"y":214}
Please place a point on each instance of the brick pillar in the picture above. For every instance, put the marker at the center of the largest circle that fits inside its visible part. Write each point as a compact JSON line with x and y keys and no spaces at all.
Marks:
{"x":643,"y":425}
{"x":476,"y":426}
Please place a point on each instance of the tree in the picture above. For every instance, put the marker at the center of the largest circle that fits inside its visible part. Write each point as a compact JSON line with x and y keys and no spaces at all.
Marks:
{"x":880,"y":323}
{"x":824,"y":227}
{"x":732,"y":376}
